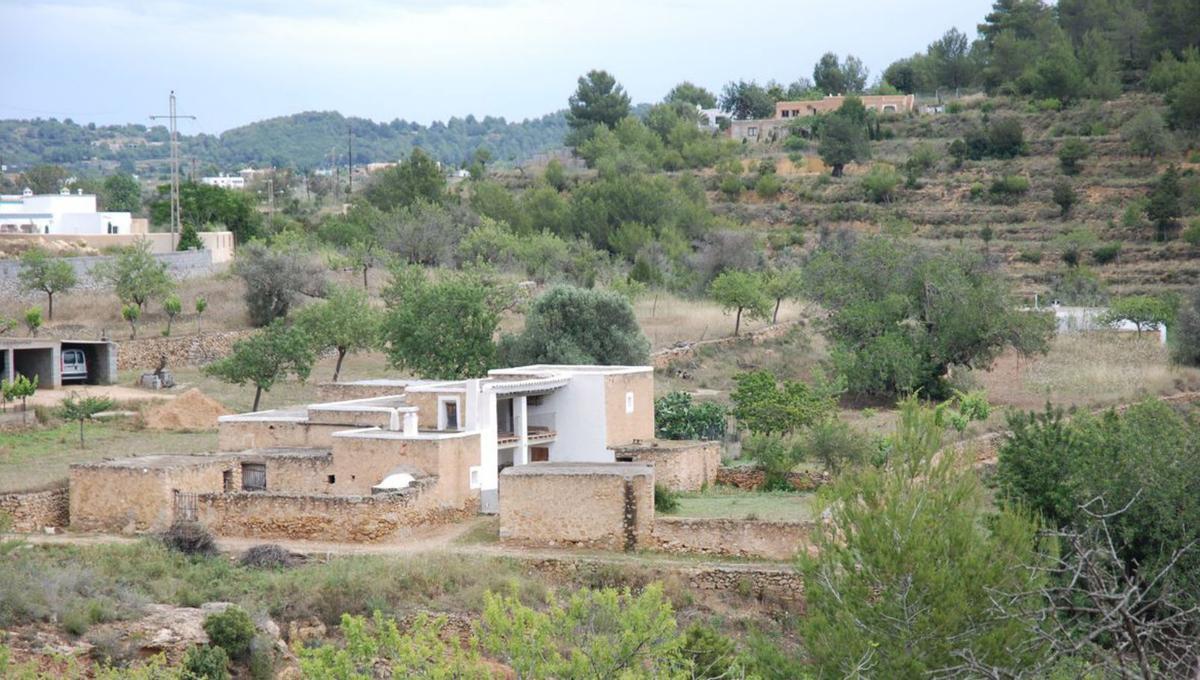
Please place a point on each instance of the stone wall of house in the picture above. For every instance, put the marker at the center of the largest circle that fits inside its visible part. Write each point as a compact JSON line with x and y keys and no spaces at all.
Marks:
{"x":678,"y":465}
{"x":181,"y":265}
{"x":197,"y":349}
{"x":663,"y":358}
{"x":733,"y":537}
{"x":28,"y":512}
{"x":356,"y":519}
{"x":595,"y":505}
{"x":345,"y":391}
{"x":750,"y":478}
{"x":138,"y":494}
{"x":261,"y":433}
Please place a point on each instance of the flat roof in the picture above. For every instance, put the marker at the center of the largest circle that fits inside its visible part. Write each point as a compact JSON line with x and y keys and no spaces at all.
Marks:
{"x":165,"y":461}
{"x":568,"y":469}
{"x":563,"y":368}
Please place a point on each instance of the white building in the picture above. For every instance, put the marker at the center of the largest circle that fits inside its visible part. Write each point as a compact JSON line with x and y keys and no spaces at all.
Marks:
{"x":225,"y":182}
{"x":63,"y":213}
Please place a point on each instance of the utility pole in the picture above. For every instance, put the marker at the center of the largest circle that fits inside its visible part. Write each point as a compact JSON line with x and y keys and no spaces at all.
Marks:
{"x":350,"y":160}
{"x":173,"y":116}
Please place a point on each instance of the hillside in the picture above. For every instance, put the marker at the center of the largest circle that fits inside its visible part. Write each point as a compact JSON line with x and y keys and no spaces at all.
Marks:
{"x":303,"y":141}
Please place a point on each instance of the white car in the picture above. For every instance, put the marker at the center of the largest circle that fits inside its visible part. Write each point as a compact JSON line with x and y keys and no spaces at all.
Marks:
{"x":74,"y":365}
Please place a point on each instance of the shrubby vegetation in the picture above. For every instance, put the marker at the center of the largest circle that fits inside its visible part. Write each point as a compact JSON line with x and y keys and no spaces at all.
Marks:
{"x":575,"y":326}
{"x":678,"y":416}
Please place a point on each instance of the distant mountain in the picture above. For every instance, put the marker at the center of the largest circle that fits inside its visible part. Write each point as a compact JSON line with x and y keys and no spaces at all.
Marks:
{"x":303,"y":141}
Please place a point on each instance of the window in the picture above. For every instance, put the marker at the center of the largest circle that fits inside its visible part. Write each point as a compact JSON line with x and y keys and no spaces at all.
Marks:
{"x":474,"y":477}
{"x":751,"y":132}
{"x":629,"y":402}
{"x":331,"y":478}
{"x":254,"y":477}
{"x":448,"y":413}
{"x":112,"y":228}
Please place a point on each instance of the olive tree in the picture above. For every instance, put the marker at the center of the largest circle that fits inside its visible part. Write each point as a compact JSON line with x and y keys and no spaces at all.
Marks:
{"x":276,"y":278}
{"x":50,"y":275}
{"x":136,"y":275}
{"x":344,"y":321}
{"x":266,"y":357}
{"x":741,"y":292}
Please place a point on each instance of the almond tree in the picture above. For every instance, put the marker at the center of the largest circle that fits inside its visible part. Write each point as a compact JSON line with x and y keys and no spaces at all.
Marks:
{"x":50,"y":275}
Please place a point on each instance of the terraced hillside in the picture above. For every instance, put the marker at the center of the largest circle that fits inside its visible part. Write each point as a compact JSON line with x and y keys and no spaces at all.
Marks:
{"x":954,"y":205}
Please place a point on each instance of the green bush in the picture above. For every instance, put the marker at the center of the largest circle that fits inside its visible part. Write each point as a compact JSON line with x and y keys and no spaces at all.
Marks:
{"x":1106,"y":253}
{"x":1008,"y":188}
{"x":206,"y":663}
{"x":837,"y":446}
{"x":713,"y":655}
{"x":776,"y":456}
{"x":768,"y":186}
{"x":232,"y":630}
{"x":880,"y":182}
{"x":731,"y":186}
{"x":1191,"y":234}
{"x":678,"y":416}
{"x":1048,"y":104}
{"x":665,"y":500}
{"x":977,"y":190}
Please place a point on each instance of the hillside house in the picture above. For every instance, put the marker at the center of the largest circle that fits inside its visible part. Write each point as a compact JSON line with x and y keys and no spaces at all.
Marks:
{"x":384,"y":455}
{"x":62,"y":213}
{"x":776,"y":128}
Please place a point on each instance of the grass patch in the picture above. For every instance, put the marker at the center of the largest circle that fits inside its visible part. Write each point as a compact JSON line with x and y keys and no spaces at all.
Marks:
{"x":730,"y":503}
{"x":40,"y":457}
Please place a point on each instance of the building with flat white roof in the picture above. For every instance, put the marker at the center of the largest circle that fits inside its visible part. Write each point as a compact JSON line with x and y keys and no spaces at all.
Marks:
{"x":62,"y":213}
{"x":225,"y":181}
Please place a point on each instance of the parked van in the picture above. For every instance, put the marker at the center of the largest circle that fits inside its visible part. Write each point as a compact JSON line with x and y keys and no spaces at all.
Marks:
{"x":74,"y":365}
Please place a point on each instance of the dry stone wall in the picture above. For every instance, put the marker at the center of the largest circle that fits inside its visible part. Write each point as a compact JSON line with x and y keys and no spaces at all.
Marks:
{"x":351,"y":519}
{"x":750,"y":478}
{"x":181,"y":350}
{"x":678,"y":465}
{"x":732,"y":537}
{"x":663,"y":358}
{"x":34,"y":511}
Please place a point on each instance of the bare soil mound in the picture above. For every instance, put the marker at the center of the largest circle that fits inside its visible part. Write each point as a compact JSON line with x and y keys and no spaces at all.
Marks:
{"x":192,"y":410}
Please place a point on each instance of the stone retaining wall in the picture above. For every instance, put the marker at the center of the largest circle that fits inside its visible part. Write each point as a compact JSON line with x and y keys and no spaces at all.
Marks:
{"x":733,"y":537}
{"x":181,"y":350}
{"x":678,"y":465}
{"x":663,"y":358}
{"x":348,"y":519}
{"x":751,"y":478}
{"x":33,"y":511}
{"x":181,"y":265}
{"x":781,"y":587}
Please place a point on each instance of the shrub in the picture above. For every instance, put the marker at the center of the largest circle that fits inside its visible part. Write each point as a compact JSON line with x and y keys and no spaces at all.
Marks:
{"x":776,"y":456}
{"x":1106,"y":253}
{"x":731,"y":186}
{"x":1071,"y":152}
{"x":713,"y":655}
{"x":768,"y":185}
{"x":763,"y":406}
{"x":1048,"y":104}
{"x":268,"y":556}
{"x":203,"y":662}
{"x":275,"y":278}
{"x":665,"y":500}
{"x":1186,"y":349}
{"x":1191,"y":235}
{"x":232,"y":630}
{"x":262,"y":659}
{"x":1008,"y":189}
{"x":977,"y":190}
{"x":678,"y":416}
{"x":1064,"y":196}
{"x":880,"y":182}
{"x":189,"y":538}
{"x":1006,"y":138}
{"x":837,"y":446}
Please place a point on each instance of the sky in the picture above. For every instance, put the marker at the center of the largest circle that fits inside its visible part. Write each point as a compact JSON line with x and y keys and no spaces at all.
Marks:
{"x":233,"y":63}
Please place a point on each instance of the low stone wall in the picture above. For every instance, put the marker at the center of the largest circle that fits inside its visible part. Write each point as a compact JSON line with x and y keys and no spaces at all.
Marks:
{"x":733,"y":537}
{"x":33,"y":511}
{"x":663,"y":358}
{"x":781,"y":586}
{"x":181,"y":265}
{"x":750,"y":478}
{"x":349,"y":519}
{"x":181,"y":350}
{"x":240,"y":435}
{"x":678,"y":465}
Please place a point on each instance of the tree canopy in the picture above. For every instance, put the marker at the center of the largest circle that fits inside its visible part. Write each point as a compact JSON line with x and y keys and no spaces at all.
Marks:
{"x":569,"y":325}
{"x":415,"y":179}
{"x":266,"y":357}
{"x":50,"y":275}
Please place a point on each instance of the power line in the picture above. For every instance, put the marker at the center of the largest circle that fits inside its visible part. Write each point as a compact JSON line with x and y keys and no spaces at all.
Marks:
{"x":176,"y":218}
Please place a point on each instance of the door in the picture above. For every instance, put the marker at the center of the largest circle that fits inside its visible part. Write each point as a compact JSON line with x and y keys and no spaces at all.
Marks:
{"x":539,"y":454}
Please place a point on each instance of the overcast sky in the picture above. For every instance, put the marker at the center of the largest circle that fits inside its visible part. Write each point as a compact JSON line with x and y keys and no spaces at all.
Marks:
{"x":232,"y":63}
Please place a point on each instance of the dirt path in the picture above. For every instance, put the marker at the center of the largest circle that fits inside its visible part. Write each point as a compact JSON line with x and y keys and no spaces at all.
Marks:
{"x":443,"y":540}
{"x":118,"y":393}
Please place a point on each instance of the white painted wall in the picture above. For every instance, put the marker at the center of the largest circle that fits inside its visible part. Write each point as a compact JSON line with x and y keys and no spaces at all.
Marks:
{"x":579,"y":419}
{"x":67,"y":214}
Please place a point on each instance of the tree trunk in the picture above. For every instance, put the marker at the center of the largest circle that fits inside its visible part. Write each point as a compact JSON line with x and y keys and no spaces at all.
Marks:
{"x":837,"y":169}
{"x":81,"y":444}
{"x":737,"y":324}
{"x":365,"y":268}
{"x":24,"y":411}
{"x":170,"y":319}
{"x":132,"y":331}
{"x":257,"y":397}
{"x":49,"y":306}
{"x":775,"y":316}
{"x":337,"y":368}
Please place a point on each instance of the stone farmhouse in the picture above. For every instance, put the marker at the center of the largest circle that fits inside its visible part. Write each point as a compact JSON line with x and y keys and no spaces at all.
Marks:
{"x":770,"y":129}
{"x":385,"y":457}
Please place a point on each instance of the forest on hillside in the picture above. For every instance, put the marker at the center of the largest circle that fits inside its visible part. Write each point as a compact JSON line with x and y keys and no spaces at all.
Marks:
{"x":303,"y":141}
